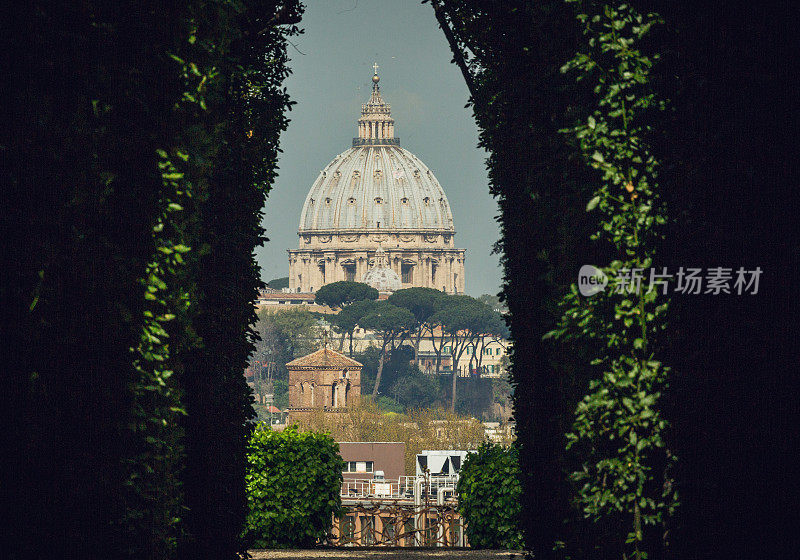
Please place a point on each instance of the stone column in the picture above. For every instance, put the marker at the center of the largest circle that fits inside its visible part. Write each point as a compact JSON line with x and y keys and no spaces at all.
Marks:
{"x":425,"y":270}
{"x":449,"y":278}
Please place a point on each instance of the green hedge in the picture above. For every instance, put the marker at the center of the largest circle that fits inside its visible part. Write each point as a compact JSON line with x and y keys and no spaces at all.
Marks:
{"x":293,"y":482}
{"x":489,"y":497}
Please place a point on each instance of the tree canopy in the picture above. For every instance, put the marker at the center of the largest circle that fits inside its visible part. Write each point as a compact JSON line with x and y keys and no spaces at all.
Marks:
{"x":387,"y":320}
{"x":279,"y":283}
{"x":293,"y":484}
{"x":421,"y":302}
{"x":284,"y":335}
{"x":490,"y":497}
{"x":338,"y":294}
{"x":465,"y":321}
{"x":349,"y":317}
{"x":391,"y":324}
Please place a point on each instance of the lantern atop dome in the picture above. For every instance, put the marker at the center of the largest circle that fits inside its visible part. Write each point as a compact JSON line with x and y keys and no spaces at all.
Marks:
{"x":376,"y":125}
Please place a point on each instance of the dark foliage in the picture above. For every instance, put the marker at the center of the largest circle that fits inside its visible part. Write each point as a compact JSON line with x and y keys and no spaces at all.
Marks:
{"x":237,"y":153}
{"x":392,"y":324}
{"x":139,"y":141}
{"x":510,"y":54}
{"x":407,"y":386}
{"x":725,"y":182}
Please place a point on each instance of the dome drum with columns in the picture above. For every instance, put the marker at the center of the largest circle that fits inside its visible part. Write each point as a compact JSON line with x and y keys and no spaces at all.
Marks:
{"x":376,"y":206}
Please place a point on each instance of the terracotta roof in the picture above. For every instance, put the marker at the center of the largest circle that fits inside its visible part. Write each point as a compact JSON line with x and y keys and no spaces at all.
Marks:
{"x":324,"y":358}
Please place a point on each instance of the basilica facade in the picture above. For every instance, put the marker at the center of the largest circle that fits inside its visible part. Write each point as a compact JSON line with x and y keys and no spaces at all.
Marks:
{"x":377,"y":211}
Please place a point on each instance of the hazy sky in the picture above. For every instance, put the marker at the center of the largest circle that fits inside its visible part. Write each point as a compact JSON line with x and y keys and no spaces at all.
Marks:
{"x":330,"y":81}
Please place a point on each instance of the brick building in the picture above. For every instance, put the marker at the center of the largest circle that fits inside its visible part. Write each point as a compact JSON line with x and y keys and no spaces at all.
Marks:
{"x":323,"y":380}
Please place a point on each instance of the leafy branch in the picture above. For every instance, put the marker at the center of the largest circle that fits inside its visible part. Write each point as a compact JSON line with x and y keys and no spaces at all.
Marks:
{"x":618,"y":426}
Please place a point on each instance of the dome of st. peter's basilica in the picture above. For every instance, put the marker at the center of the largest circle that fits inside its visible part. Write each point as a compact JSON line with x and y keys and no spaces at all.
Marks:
{"x":376,"y":194}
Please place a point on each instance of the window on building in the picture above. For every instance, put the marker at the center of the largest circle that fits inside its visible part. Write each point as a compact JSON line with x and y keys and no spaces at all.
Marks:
{"x":367,"y":530}
{"x":408,"y":531}
{"x":349,"y":272}
{"x":388,"y":529}
{"x":348,"y":528}
{"x":431,"y":528}
{"x":455,"y":532}
{"x":407,"y":273}
{"x":359,"y":466}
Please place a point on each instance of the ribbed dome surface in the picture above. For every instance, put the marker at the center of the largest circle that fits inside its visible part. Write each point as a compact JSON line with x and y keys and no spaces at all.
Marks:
{"x":376,"y":187}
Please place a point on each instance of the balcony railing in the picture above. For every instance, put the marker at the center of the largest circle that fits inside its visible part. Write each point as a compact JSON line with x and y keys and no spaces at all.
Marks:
{"x":419,"y":489}
{"x":375,"y":142}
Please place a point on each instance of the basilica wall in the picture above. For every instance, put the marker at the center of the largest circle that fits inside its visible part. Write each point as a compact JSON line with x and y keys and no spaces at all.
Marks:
{"x":420,"y":259}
